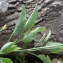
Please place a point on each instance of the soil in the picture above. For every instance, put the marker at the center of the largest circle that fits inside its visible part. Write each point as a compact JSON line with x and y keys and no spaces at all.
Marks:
{"x":55,"y":58}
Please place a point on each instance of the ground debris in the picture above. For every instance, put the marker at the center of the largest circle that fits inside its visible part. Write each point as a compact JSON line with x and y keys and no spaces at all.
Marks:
{"x":55,"y":60}
{"x":50,"y":15}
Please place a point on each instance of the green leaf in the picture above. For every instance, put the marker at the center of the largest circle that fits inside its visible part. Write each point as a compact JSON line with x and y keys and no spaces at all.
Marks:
{"x":31,"y":21}
{"x":44,"y":59}
{"x":29,"y":36}
{"x":22,"y":20}
{"x":42,"y":38}
{"x":9,"y":47}
{"x":13,"y":48}
{"x":48,"y":36}
{"x":5,"y":60}
{"x":55,"y":47}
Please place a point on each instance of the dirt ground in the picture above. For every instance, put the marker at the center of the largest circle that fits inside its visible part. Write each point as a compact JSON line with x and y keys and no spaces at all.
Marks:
{"x":50,"y":15}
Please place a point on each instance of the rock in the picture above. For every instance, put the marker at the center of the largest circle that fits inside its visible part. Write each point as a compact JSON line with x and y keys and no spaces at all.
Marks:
{"x":12,"y":1}
{"x":48,"y":1}
{"x":17,"y":4}
{"x":57,"y":3}
{"x":58,"y":61}
{"x":3,"y":6}
{"x":55,"y":60}
{"x":30,"y":1}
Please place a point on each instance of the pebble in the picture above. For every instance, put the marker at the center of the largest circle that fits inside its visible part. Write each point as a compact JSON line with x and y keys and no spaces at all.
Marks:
{"x":55,"y":60}
{"x":3,"y":6}
{"x":46,"y":1}
{"x":12,"y":1}
{"x":58,"y":61}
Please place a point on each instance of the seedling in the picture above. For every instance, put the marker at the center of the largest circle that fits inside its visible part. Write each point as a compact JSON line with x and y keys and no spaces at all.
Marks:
{"x":26,"y":33}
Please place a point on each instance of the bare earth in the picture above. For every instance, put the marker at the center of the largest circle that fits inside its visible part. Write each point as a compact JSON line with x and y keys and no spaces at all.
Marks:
{"x":50,"y":15}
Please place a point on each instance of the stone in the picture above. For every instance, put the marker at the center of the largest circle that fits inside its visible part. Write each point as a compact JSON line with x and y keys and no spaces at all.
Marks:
{"x":3,"y":6}
{"x":12,"y":1}
{"x":55,"y":60}
{"x":17,"y":4}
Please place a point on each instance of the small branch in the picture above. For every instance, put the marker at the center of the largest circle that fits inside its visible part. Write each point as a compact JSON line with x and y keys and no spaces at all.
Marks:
{"x":39,"y":48}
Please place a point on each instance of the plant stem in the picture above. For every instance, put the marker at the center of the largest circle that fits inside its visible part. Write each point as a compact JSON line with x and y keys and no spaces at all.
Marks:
{"x":0,"y":31}
{"x":10,"y":37}
{"x":39,"y":48}
{"x":33,"y":54}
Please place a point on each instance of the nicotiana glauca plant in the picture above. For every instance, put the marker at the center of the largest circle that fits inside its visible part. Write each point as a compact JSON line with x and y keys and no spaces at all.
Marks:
{"x":26,"y":34}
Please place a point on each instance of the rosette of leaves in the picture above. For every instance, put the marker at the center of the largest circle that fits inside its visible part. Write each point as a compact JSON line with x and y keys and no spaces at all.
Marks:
{"x":24,"y":27}
{"x":26,"y":33}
